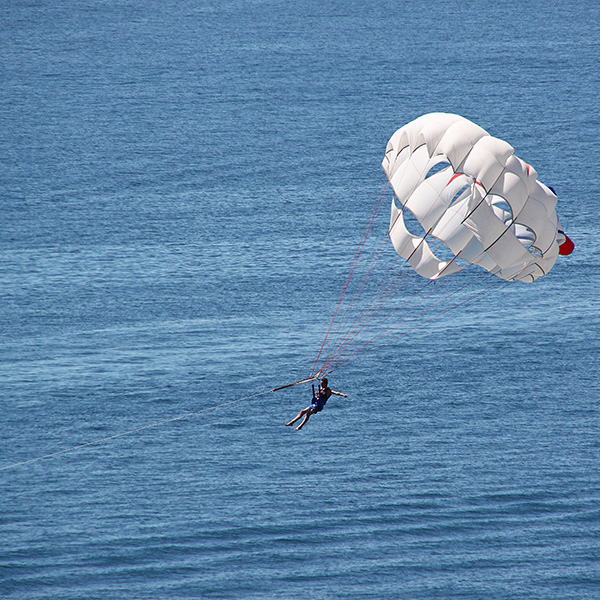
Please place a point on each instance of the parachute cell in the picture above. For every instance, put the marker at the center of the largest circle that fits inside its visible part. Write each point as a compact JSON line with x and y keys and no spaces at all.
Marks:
{"x":470,"y":192}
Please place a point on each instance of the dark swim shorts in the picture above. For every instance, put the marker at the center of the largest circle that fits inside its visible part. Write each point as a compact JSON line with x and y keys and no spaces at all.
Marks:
{"x":317,"y":407}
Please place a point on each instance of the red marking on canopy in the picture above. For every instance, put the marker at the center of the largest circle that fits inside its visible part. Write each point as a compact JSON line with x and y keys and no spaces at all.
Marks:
{"x":566,"y":247}
{"x":458,"y":175}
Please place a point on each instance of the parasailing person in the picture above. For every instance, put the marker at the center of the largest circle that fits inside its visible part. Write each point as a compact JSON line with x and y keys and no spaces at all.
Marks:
{"x":317,"y":404}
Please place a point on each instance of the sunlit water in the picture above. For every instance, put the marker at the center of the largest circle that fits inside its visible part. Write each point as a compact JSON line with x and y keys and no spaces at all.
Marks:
{"x":183,"y":188}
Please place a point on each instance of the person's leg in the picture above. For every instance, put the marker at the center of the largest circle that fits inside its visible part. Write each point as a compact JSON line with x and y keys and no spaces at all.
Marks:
{"x":306,"y":417}
{"x":300,"y":414}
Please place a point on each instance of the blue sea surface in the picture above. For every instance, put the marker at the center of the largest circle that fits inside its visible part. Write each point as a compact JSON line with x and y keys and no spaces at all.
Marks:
{"x":183,"y":188}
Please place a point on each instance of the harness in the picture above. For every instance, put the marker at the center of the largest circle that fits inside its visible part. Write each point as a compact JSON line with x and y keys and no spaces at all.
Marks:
{"x":318,"y":401}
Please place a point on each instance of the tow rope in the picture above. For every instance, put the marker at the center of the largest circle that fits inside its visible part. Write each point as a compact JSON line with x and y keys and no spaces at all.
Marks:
{"x":157,"y":424}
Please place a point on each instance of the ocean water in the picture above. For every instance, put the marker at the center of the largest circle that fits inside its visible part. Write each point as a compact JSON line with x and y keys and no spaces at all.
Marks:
{"x":183,"y":187}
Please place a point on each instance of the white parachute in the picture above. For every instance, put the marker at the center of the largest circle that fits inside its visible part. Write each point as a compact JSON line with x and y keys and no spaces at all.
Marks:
{"x":460,"y":198}
{"x":469,"y":191}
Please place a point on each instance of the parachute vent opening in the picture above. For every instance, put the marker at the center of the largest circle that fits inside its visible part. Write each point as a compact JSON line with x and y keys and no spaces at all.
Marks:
{"x":501,"y":209}
{"x":438,"y":168}
{"x":527,"y":237}
{"x":462,"y":193}
{"x":445,"y":254}
{"x":535,"y":251}
{"x":412,"y":224}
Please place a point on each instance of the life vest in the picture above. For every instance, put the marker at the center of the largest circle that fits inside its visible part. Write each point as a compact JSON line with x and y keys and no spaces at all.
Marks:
{"x":319,"y":399}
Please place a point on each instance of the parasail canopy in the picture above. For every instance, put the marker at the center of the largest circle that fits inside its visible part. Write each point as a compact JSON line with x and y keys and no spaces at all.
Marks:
{"x":469,"y":192}
{"x":461,"y":197}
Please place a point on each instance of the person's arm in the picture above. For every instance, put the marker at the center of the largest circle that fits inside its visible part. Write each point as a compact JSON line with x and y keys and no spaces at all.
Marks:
{"x":339,"y":394}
